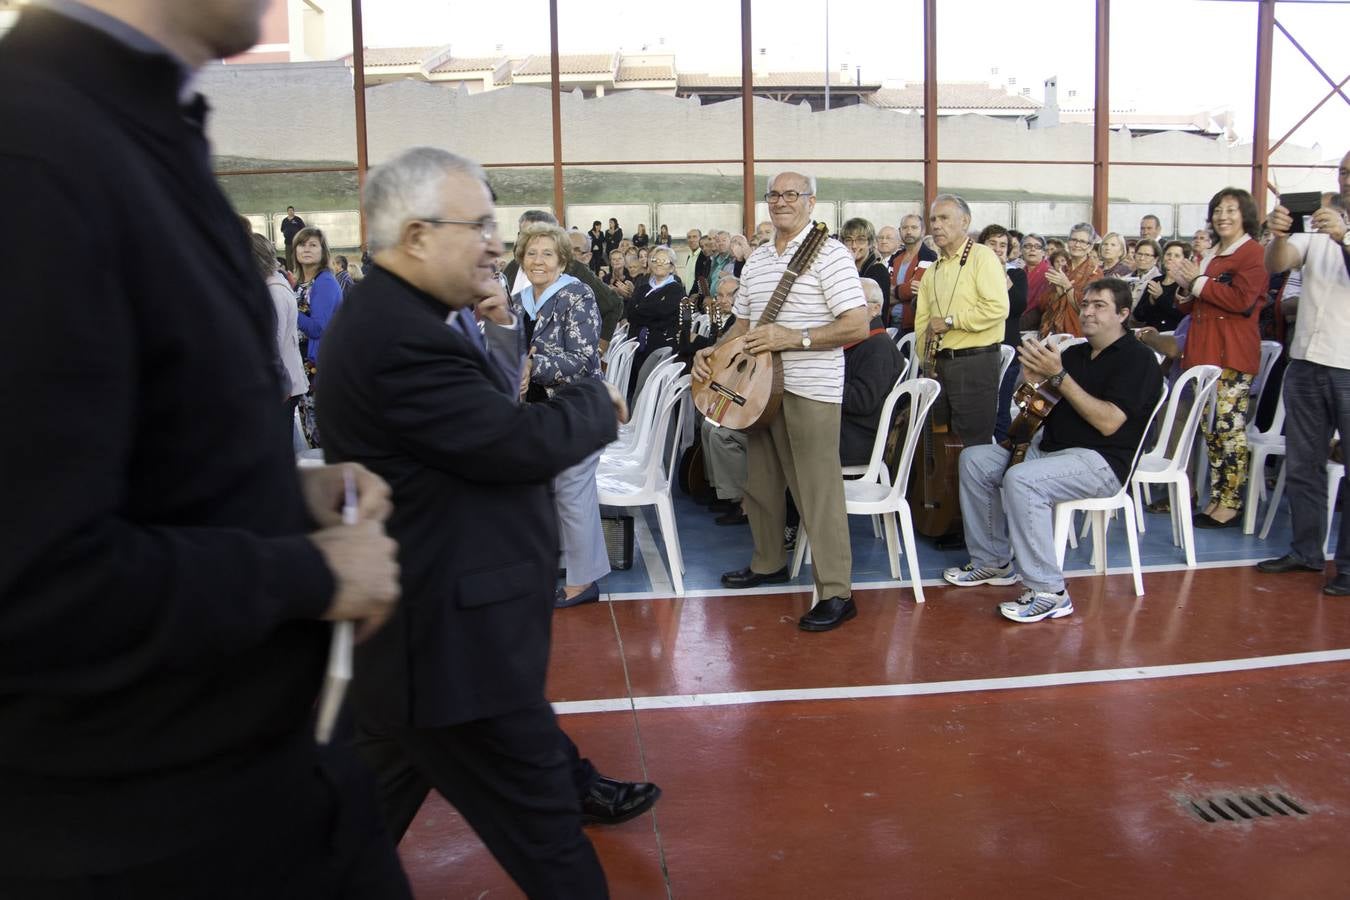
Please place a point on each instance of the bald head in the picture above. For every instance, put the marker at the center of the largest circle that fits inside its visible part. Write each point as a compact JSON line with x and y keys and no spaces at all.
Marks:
{"x":872,"y":292}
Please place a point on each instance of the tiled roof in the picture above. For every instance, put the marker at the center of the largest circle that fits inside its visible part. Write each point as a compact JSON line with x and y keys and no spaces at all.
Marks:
{"x":952,"y":95}
{"x":570,"y":64}
{"x":645,"y":73}
{"x":471,"y":64}
{"x":702,"y":80}
{"x":396,"y":56}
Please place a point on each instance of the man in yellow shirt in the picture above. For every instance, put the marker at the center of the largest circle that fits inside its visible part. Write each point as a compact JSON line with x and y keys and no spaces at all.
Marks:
{"x":963,"y":303}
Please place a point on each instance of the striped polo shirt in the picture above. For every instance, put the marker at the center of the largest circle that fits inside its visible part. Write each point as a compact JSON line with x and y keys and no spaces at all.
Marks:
{"x":825,"y":291}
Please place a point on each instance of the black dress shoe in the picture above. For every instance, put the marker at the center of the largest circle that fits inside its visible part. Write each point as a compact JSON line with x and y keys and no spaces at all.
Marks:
{"x":1338,"y":586}
{"x":732,"y":517}
{"x":828,"y":614}
{"x":610,"y":802}
{"x":1287,"y":563}
{"x":1205,"y":521}
{"x":744,"y":578}
{"x":722,"y":506}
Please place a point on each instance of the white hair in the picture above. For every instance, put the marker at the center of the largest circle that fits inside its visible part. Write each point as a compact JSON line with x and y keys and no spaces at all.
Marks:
{"x":410,"y":186}
{"x":810,"y":181}
{"x":1084,"y":226}
{"x":872,"y":291}
{"x":952,"y":198}
{"x":663,"y":248}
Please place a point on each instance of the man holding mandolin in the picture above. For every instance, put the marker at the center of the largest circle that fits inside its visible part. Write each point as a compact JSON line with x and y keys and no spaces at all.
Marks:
{"x":1108,"y":388}
{"x":803,"y":315}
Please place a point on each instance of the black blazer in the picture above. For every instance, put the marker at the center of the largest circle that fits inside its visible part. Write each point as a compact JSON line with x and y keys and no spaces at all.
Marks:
{"x":470,"y":466}
{"x":657,"y":311}
{"x":1017,"y":304}
{"x":162,"y":649}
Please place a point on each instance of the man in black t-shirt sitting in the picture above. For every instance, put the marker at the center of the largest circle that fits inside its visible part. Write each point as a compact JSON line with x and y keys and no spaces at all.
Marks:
{"x":1108,"y":387}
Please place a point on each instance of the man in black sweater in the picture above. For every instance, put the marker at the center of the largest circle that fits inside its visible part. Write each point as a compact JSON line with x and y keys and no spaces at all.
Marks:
{"x":164,"y":571}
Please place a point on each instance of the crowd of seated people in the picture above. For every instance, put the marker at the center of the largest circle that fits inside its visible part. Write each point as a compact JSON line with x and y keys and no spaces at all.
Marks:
{"x":1207,"y":300}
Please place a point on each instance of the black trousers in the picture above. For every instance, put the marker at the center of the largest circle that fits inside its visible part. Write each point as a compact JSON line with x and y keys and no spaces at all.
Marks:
{"x":516,"y":779}
{"x":969,"y":398}
{"x":1316,"y":403}
{"x":332,"y":847}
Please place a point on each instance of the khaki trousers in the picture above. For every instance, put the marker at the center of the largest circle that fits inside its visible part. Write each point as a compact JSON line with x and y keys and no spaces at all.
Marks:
{"x":800,"y":452}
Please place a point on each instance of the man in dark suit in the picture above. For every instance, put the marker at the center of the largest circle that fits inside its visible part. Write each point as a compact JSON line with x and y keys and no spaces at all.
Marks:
{"x":451,"y":694}
{"x":164,"y":570}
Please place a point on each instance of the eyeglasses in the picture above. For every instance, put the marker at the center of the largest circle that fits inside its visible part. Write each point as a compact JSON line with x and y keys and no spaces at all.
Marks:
{"x":857,"y":240}
{"x":487,"y":228}
{"x":789,"y":196}
{"x":1032,"y":246}
{"x":1074,"y":240}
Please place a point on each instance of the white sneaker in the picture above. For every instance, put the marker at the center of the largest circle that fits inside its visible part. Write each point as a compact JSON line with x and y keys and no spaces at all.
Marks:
{"x":971,"y":575}
{"x":1022,"y":600}
{"x":1042,"y":606}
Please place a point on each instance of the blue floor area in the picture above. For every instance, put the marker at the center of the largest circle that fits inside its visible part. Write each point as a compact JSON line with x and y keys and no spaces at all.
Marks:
{"x":710,"y":549}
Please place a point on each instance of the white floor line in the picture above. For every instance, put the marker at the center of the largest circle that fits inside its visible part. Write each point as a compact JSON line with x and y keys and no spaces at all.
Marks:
{"x":927,"y":582}
{"x":1051,"y":679}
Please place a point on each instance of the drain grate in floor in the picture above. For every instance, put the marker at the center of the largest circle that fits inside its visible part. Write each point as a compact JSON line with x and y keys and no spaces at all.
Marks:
{"x":1245,"y":807}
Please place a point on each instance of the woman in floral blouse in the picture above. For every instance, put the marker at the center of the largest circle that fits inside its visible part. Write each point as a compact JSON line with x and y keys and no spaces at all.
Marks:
{"x":562,"y":320}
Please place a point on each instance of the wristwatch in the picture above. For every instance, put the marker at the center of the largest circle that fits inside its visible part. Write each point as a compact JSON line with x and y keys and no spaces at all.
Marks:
{"x":1057,"y":379}
{"x":806,"y":339}
{"x":949,"y":322}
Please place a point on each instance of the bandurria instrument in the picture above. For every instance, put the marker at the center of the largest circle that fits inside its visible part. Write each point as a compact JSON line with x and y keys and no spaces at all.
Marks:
{"x":745,"y":390}
{"x":1035,"y":402}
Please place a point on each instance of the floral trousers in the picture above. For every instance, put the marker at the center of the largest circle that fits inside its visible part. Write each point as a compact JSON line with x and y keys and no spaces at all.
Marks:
{"x":1227,"y":439}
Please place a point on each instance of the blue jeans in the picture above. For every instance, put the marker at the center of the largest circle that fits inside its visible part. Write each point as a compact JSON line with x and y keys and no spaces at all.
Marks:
{"x":1316,"y":403}
{"x":1009,"y":514}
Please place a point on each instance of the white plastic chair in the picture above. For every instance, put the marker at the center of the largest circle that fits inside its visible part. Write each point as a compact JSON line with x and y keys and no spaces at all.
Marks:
{"x":873,"y":495}
{"x":1161,"y":467}
{"x":649,"y":485}
{"x":1262,"y":444}
{"x":620,"y":334}
{"x":620,"y":364}
{"x":906,"y":347}
{"x":1270,"y":352}
{"x":1335,"y":473}
{"x":893,"y":332}
{"x":1006,"y":355}
{"x":1098,"y":507}
{"x":630,"y":444}
{"x":654,"y":359}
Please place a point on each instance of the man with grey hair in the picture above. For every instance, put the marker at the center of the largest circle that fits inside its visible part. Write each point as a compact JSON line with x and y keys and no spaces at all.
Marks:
{"x":451,"y":695}
{"x":611,"y":307}
{"x":800,"y":449}
{"x":1150,"y":228}
{"x":958,"y":319}
{"x":166,"y":571}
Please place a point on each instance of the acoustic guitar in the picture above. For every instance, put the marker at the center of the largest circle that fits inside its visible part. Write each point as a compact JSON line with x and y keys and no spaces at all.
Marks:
{"x":934,"y":498}
{"x":745,"y":389}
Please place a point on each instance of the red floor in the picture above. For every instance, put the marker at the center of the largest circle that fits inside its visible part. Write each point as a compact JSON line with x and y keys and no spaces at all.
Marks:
{"x":1072,"y":790}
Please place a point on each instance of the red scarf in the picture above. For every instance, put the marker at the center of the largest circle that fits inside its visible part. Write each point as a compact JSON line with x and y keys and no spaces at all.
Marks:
{"x":1036,"y":283}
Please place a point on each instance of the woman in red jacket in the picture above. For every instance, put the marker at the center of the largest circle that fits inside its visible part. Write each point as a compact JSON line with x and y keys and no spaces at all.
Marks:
{"x":1223,"y":292}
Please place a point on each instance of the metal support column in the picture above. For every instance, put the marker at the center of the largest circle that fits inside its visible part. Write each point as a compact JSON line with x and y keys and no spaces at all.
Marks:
{"x":359,"y":88}
{"x":1101,"y":121}
{"x":558,"y":207}
{"x":1265,"y":37}
{"x":747,"y":123}
{"x":930,"y":105}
